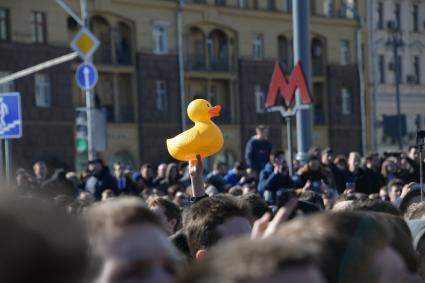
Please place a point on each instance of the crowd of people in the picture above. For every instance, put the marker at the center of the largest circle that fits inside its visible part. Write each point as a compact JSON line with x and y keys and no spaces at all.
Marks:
{"x":336,"y":219}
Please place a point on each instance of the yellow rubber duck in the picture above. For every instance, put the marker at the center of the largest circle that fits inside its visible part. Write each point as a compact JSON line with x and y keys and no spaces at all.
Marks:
{"x":204,"y":138}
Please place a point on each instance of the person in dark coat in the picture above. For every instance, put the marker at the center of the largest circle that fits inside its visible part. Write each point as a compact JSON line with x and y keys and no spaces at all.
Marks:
{"x":258,"y":149}
{"x":124,"y":184}
{"x":57,"y":185}
{"x":374,"y":179}
{"x":100,"y":180}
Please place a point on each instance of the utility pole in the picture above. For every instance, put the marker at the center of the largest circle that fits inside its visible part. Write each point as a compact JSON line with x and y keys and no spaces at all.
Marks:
{"x":396,"y":41}
{"x":89,"y":92}
{"x":181,"y":62}
{"x":301,"y":23}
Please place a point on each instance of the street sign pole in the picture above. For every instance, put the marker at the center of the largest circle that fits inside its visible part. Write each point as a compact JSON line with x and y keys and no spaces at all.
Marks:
{"x":301,"y":23}
{"x":1,"y":160}
{"x":89,"y":93}
{"x":290,"y":150}
{"x":8,"y":161}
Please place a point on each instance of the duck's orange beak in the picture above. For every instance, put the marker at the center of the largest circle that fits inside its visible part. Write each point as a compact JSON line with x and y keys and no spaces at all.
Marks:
{"x":215,"y":111}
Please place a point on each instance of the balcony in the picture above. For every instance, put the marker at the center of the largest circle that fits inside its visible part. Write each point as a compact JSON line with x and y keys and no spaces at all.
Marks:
{"x":199,"y":63}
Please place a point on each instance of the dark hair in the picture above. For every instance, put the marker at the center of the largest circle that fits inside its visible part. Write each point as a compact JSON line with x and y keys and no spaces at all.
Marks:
{"x":171,"y":210}
{"x":257,"y":206}
{"x":276,"y":154}
{"x":202,"y":218}
{"x":312,"y":197}
{"x":395,"y":182}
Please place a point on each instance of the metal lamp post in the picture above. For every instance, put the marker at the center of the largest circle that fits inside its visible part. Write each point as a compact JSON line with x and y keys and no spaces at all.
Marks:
{"x":395,"y":41}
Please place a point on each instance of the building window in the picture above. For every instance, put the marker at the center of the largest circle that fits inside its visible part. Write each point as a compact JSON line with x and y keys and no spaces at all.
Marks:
{"x":271,"y":5}
{"x":258,"y":48}
{"x":42,"y":90}
{"x":212,"y":95}
{"x":328,"y":7}
{"x":161,"y":96}
{"x":346,"y":102}
{"x":289,"y":6}
{"x":397,"y":14}
{"x":255,"y":4}
{"x":200,"y":1}
{"x":344,"y":52}
{"x":350,"y":8}
{"x":380,"y":15}
{"x":4,"y":24}
{"x":415,"y":17}
{"x":38,"y":24}
{"x":243,"y":3}
{"x":381,"y":65}
{"x":160,"y":39}
{"x":7,"y":87}
{"x":417,"y":69}
{"x":220,"y":2}
{"x":260,"y":99}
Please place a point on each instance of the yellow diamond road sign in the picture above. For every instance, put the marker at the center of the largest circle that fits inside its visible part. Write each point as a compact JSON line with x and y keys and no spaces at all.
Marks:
{"x":85,"y":43}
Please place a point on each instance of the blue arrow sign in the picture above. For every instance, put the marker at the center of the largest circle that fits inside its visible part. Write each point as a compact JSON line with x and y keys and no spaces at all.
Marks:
{"x":10,"y":115}
{"x":86,"y":76}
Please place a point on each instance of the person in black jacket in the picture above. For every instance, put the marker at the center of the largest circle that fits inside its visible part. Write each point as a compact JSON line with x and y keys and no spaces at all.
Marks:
{"x":374,"y":179}
{"x":258,"y":149}
{"x":58,"y":185}
{"x":100,"y":180}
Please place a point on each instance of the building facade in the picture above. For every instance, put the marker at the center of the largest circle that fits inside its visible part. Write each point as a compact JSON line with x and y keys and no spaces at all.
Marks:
{"x":408,"y":17}
{"x":230,"y":48}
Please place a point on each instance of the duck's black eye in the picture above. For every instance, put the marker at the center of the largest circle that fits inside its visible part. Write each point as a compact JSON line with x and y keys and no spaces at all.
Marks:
{"x":208,"y":105}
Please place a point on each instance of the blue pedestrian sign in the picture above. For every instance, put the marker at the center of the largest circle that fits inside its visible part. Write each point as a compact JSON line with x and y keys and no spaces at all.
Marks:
{"x":10,"y":115}
{"x":86,"y":76}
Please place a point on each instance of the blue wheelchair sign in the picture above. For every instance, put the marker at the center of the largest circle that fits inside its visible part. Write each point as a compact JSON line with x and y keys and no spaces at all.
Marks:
{"x":86,"y":76}
{"x":10,"y":115}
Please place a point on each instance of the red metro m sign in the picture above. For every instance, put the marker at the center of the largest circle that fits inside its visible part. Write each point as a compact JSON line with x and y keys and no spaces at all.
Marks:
{"x":287,"y":90}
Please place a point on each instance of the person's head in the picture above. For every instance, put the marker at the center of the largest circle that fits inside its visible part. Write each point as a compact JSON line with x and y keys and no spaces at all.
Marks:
{"x":394,"y":189}
{"x":314,"y":164}
{"x":341,"y":163}
{"x":354,"y":161}
{"x":315,"y":152}
{"x":376,"y":205}
{"x":372,"y":161}
{"x":167,"y":211}
{"x":212,"y":219}
{"x":413,"y":153}
{"x":40,"y":243}
{"x":95,"y":166}
{"x":236,"y":191}
{"x":312,"y":197}
{"x":415,"y":211}
{"x":277,"y":157}
{"x":238,"y":168}
{"x":383,"y":193}
{"x":352,"y":247}
{"x":172,"y":172}
{"x":119,"y":169}
{"x":389,"y":166}
{"x":130,"y":242}
{"x":220,"y":168}
{"x":161,"y":170}
{"x":262,"y":132}
{"x":327,"y":156}
{"x":147,"y":171}
{"x":417,"y":228}
{"x":40,"y":170}
{"x":181,"y":199}
{"x":22,"y":177}
{"x":255,"y":261}
{"x":256,"y":205}
{"x":107,"y":194}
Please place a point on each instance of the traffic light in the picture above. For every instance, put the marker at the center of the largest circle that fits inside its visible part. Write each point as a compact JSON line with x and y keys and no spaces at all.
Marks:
{"x":81,"y":130}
